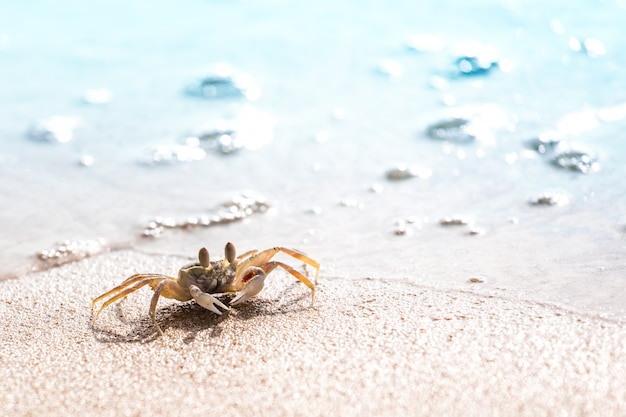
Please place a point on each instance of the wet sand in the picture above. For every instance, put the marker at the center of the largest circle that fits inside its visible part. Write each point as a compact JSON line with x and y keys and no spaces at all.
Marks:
{"x":367,"y":347}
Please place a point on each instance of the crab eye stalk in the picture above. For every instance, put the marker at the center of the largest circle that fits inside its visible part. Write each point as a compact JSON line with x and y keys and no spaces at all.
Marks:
{"x":230,"y":252}
{"x":203,"y":257}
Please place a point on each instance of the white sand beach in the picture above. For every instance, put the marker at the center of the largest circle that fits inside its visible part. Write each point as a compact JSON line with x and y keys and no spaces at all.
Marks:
{"x":407,"y":148}
{"x":366,"y":348}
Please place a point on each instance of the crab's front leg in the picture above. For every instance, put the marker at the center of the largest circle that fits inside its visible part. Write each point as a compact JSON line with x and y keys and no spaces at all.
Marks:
{"x":253,"y":281}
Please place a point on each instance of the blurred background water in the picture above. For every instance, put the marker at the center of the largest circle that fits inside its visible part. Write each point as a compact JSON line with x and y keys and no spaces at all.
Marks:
{"x":474,"y":145}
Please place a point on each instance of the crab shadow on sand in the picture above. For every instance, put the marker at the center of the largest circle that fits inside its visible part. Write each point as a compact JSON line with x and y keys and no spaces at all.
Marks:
{"x":193,"y":319}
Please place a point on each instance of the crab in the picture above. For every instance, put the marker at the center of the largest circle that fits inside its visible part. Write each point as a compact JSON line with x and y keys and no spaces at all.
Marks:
{"x":203,"y":280}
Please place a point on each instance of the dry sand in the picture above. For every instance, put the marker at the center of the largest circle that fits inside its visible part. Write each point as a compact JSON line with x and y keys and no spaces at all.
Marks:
{"x":366,"y":348}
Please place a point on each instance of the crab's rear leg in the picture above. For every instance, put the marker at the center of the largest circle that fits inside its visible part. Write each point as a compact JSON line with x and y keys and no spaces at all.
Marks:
{"x":137,"y":277}
{"x":263,"y":257}
{"x":302,"y":257}
{"x":270,"y":266}
{"x":123,"y":291}
{"x":127,"y":283}
{"x":247,"y":254}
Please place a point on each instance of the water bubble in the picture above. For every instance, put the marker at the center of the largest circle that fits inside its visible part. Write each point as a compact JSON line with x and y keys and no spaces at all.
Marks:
{"x":154,"y":231}
{"x":454,"y":221}
{"x":403,"y":171}
{"x":576,"y":160}
{"x":476,"y":231}
{"x":454,"y":130}
{"x":72,"y":250}
{"x":471,"y":65}
{"x":406,"y":226}
{"x":591,"y":47}
{"x":563,"y":154}
{"x":472,"y":123}
{"x":549,"y":199}
{"x":545,"y":142}
{"x":402,"y":228}
{"x":168,"y":154}
{"x":248,"y":129}
{"x":214,"y":86}
{"x":223,"y":141}
{"x":474,"y":60}
{"x":58,"y":129}
{"x":224,"y":82}
{"x":238,"y":208}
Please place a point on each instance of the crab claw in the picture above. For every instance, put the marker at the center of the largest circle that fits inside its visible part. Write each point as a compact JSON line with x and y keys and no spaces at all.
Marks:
{"x":252,"y":287}
{"x":206,"y":300}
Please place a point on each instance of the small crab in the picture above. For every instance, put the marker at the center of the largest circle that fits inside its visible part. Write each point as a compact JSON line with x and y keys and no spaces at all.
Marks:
{"x":200,"y":281}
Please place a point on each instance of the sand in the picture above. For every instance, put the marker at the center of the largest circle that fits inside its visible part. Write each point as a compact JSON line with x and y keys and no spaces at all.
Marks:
{"x":366,"y":348}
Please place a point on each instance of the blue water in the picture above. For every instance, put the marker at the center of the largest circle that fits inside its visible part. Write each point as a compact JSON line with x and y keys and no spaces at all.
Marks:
{"x":313,"y":64}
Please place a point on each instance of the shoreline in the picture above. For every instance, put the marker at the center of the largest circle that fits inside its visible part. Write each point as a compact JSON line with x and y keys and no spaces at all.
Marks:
{"x":366,"y":347}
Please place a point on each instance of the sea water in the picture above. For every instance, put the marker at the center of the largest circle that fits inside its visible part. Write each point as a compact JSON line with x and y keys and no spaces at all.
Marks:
{"x":475,"y":145}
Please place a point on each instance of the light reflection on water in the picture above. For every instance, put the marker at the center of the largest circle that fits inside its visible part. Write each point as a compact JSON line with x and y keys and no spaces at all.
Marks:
{"x":345,"y":101}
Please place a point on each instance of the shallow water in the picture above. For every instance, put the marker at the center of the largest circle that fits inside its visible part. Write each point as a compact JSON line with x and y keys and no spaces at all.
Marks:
{"x":345,"y":98}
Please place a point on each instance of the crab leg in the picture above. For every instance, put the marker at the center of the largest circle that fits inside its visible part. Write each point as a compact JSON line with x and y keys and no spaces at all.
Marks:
{"x":127,"y":282}
{"x":263,"y":257}
{"x":301,"y":256}
{"x":137,"y":277}
{"x":120,"y":295}
{"x":153,"y":303}
{"x":270,"y":266}
{"x":247,"y":254}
